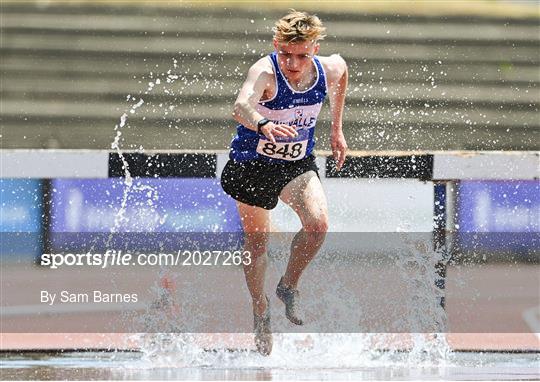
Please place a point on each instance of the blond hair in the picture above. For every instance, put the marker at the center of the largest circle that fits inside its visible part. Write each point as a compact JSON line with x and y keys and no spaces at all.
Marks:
{"x":298,"y":26}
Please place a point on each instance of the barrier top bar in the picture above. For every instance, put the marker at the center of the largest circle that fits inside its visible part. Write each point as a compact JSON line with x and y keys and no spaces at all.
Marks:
{"x":424,"y":165}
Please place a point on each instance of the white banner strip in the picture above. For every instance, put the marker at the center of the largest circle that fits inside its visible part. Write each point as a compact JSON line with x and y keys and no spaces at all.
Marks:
{"x":504,"y":165}
{"x":487,"y":165}
{"x":54,"y":164}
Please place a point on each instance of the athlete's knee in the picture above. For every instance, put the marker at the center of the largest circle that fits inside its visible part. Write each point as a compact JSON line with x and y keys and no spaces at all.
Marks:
{"x":317,"y":225}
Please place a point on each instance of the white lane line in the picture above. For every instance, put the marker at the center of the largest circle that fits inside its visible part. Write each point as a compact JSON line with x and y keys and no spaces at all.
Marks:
{"x":21,"y":310}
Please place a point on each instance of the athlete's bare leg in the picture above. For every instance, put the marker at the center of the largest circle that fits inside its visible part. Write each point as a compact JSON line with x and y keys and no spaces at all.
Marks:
{"x":256,"y":224}
{"x":306,"y":197}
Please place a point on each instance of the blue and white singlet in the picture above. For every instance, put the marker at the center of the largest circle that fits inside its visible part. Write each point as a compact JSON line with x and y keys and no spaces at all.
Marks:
{"x":289,"y":107}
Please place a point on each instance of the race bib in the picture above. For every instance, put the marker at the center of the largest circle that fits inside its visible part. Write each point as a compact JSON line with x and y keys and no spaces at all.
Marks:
{"x":282,"y":150}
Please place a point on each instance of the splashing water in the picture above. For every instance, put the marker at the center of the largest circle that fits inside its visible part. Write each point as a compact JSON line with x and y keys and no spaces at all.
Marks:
{"x":320,"y":350}
{"x":128,"y":180}
{"x":294,"y":351}
{"x":152,"y":194}
{"x":120,"y":217}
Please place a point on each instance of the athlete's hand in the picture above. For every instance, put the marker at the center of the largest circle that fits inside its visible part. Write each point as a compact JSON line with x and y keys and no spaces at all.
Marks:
{"x":272,"y":130}
{"x":339,"y":149}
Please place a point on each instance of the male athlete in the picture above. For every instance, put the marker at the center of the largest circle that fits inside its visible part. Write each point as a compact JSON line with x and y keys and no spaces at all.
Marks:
{"x":271,"y":156}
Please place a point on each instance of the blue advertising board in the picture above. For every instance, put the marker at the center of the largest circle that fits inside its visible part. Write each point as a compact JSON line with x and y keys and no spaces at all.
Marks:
{"x":20,"y":216}
{"x":499,"y":215}
{"x":144,"y":215}
{"x":148,"y":205}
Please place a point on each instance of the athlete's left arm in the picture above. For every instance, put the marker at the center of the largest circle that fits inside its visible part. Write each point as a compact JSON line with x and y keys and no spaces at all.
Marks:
{"x":338,"y":78}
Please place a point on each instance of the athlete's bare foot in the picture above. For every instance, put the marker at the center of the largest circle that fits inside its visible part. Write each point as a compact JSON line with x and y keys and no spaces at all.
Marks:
{"x":289,"y":296}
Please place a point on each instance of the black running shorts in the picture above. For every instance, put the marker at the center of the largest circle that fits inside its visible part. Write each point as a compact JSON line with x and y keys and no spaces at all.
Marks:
{"x":259,"y":183}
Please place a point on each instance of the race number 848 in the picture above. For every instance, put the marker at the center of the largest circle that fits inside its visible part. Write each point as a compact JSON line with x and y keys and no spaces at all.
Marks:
{"x":282,"y":150}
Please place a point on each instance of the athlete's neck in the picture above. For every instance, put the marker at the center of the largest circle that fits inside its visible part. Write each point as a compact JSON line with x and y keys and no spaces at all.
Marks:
{"x":305,"y":82}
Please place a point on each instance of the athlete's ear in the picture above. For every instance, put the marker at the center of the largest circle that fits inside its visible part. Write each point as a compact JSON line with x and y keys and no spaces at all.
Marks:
{"x":317,"y":46}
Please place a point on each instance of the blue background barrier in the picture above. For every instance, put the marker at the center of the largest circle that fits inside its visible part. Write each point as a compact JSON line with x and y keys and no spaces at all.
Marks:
{"x":153,"y":205}
{"x":499,"y":215}
{"x":20,"y":212}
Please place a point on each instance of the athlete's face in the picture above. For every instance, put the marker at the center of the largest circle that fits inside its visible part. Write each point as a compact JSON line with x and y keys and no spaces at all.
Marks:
{"x":295,"y":58}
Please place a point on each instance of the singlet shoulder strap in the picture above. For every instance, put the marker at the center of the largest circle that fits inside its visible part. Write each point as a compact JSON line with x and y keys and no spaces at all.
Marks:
{"x":279,"y":76}
{"x":322,"y":74}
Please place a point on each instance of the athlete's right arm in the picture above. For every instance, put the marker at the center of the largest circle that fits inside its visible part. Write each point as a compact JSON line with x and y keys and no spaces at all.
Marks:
{"x":259,"y":77}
